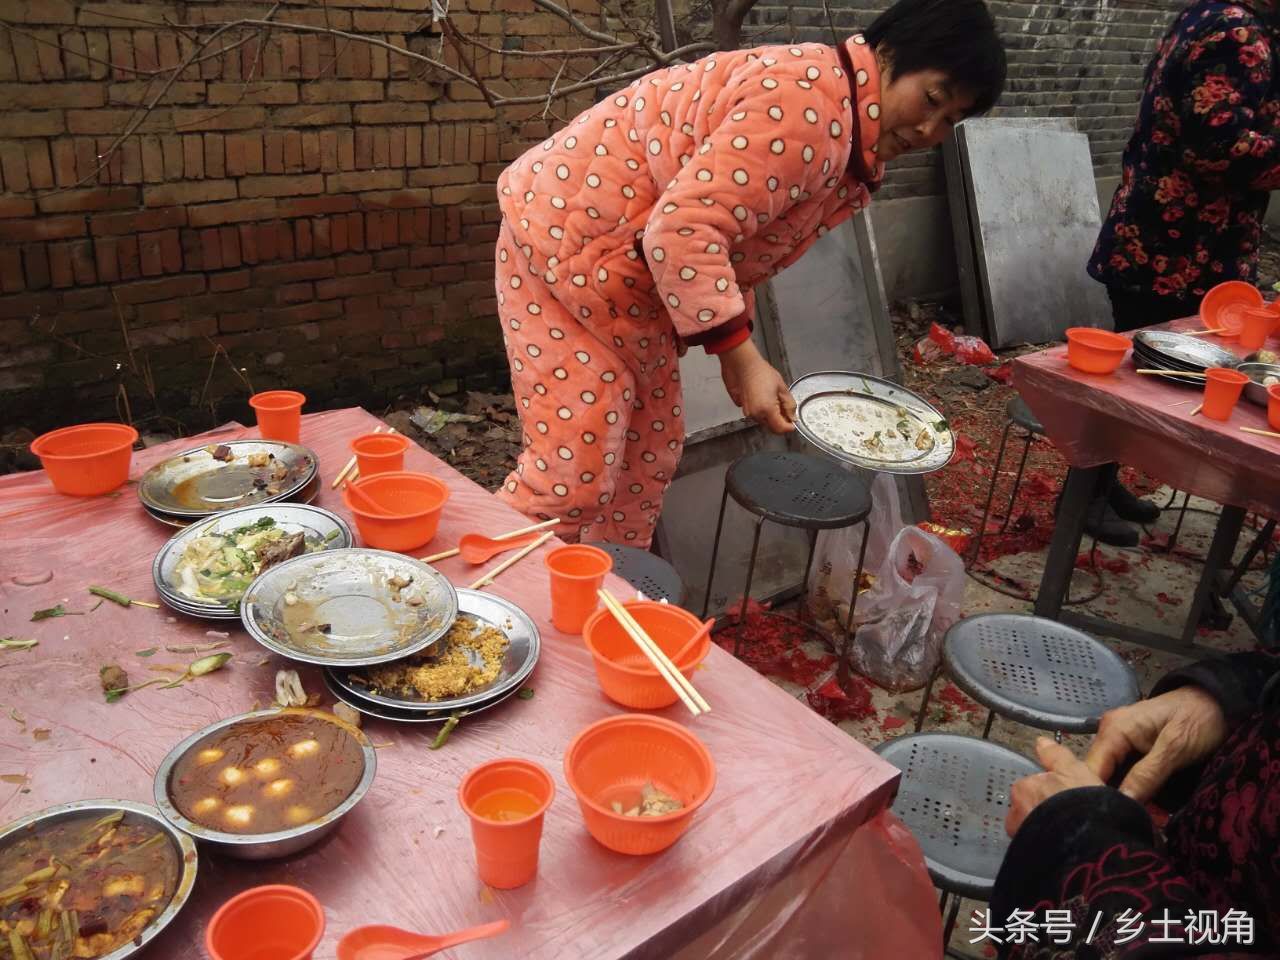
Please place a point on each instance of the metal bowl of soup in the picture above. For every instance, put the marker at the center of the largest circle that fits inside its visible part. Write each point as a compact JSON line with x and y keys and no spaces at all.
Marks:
{"x":265,"y":784}
{"x":128,"y":872}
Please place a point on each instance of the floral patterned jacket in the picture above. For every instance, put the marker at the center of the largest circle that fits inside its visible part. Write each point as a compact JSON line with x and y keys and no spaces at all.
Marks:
{"x":1091,"y":863}
{"x":1204,"y":154}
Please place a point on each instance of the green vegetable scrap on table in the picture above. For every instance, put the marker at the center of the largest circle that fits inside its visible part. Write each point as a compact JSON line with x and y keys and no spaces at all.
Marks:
{"x":120,"y":598}
{"x":526,"y":693}
{"x":17,"y":643}
{"x":58,"y":611}
{"x":443,"y":736}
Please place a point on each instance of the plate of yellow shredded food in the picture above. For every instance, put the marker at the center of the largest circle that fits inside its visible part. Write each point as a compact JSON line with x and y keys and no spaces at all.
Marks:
{"x":488,"y":652}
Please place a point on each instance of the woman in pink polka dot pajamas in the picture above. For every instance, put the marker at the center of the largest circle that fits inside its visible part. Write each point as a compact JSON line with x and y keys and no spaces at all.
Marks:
{"x":642,"y":227}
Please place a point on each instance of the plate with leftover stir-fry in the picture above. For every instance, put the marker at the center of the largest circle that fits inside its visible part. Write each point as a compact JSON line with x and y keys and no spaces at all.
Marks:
{"x":872,"y":423}
{"x":487,"y":653}
{"x":349,"y":607}
{"x":91,"y":879}
{"x":224,"y":476}
{"x":206,"y":569}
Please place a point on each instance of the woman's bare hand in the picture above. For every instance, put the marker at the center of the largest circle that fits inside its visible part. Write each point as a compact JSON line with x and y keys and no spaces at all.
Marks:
{"x":755,"y":386}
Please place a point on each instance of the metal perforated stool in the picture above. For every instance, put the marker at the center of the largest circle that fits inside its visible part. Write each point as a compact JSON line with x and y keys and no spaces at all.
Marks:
{"x":1035,"y":671}
{"x":647,"y":572}
{"x":1020,"y":416}
{"x":795,"y":490}
{"x":954,"y":797}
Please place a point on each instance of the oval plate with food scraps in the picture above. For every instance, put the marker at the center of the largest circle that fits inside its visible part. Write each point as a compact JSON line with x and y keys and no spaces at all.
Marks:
{"x":348,"y":608}
{"x":304,"y":496}
{"x":477,"y":612}
{"x":872,"y":423}
{"x":224,"y":476}
{"x":205,"y":569}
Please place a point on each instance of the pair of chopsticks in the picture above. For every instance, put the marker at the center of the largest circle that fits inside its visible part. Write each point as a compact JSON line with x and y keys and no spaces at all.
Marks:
{"x":511,"y":561}
{"x":661,"y":662}
{"x":350,"y":468}
{"x":1203,"y":333}
{"x":1261,"y":433}
{"x":1176,"y":373}
{"x":502,"y":536}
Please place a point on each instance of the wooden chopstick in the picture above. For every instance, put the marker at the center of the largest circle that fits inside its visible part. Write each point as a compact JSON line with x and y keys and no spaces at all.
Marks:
{"x":1173,"y":373}
{"x":1202,"y":333}
{"x":670,"y":672}
{"x":1198,"y":408}
{"x":511,"y":561}
{"x":342,"y":475}
{"x":1260,"y":433}
{"x":445,"y":555}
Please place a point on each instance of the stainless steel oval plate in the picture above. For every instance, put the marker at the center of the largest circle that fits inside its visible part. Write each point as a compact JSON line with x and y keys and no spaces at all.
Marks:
{"x":380,"y":712}
{"x":183,"y":846}
{"x":872,"y":423}
{"x":524,"y":645}
{"x":195,"y":484}
{"x":182,"y":584}
{"x":352,"y":607}
{"x":1180,"y":348}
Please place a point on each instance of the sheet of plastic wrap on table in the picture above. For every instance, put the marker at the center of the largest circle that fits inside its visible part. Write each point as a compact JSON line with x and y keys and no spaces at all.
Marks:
{"x":1146,"y":422}
{"x":793,"y":856}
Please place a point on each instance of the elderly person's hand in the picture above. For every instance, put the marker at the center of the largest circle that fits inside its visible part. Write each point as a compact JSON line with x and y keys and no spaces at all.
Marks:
{"x":1063,"y":771}
{"x":1174,"y":730}
{"x":755,"y":386}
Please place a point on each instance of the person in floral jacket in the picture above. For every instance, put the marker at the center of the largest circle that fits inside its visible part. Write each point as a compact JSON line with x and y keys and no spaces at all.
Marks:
{"x":1195,"y":181}
{"x":1089,"y":859}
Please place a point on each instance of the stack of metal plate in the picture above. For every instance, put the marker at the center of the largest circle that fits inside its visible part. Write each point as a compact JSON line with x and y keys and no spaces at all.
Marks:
{"x":1178,"y":353}
{"x":356,"y":688}
{"x":179,"y":589}
{"x":225,"y":476}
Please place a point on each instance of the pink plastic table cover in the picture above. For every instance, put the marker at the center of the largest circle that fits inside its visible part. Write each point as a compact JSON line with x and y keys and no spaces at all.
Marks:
{"x":1146,"y":422}
{"x":795,"y":854}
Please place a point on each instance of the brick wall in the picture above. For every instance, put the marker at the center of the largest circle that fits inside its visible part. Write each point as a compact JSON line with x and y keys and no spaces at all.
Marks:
{"x":1071,"y":58}
{"x":313,"y":209}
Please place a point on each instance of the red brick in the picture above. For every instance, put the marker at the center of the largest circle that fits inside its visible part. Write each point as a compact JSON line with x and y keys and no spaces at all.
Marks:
{"x":26,"y":123}
{"x":406,"y":228}
{"x":290,"y":56}
{"x":329,"y":151}
{"x":389,"y":225}
{"x":364,"y":180}
{"x":354,"y":286}
{"x":338,"y":234}
{"x":11,"y":207}
{"x":82,"y":263}
{"x":346,"y":150}
{"x":252,"y":152}
{"x":61,"y":271}
{"x":148,"y":291}
{"x":372,"y":232}
{"x":273,"y":92}
{"x":264,"y":236}
{"x":396,"y":199}
{"x":355,"y":231}
{"x":418,"y":91}
{"x":99,"y":198}
{"x":295,"y":293}
{"x":170,"y":251}
{"x":45,"y":228}
{"x":48,"y":96}
{"x":171,"y":148}
{"x":391,"y":259}
{"x":167,"y":50}
{"x":137,"y":92}
{"x":111,"y":164}
{"x":235,"y":211}
{"x":249,"y":243}
{"x":130,"y":265}
{"x":210,"y":250}
{"x":153,"y":313}
{"x":106,"y":122}
{"x":215,"y":155}
{"x":35,"y":260}
{"x":342,"y":91}
{"x":293,"y":152}
{"x":379,"y":67}
{"x":302,"y":238}
{"x":284,"y":273}
{"x":202,"y":191}
{"x":152,"y":160}
{"x":310,"y":151}
{"x":312,"y":115}
{"x":230,"y":240}
{"x":406,"y":113}
{"x":13,"y":165}
{"x":303,"y":313}
{"x":227,"y":282}
{"x":273,"y":153}
{"x":190,"y":120}
{"x":397,"y":146}
{"x":447,"y":196}
{"x":322,"y":245}
{"x":106,"y":253}
{"x":39,"y":169}
{"x":313,"y":206}
{"x":364,"y":149}
{"x":286,"y":186}
{"x":413,"y":146}
{"x":446,"y":111}
{"x":431,"y":145}
{"x":284,"y":241}
{"x":12,"y":278}
{"x":310,"y":56}
{"x":235,"y":156}
{"x":382,"y":150}
{"x":152,"y":264}
{"x":353,"y":264}
{"x":26,"y":61}
{"x":193,"y":157}
{"x":137,"y":221}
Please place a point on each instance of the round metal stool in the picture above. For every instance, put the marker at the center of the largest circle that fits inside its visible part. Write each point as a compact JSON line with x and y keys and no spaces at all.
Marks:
{"x":795,"y":490}
{"x":1020,"y":416}
{"x":1035,"y":671}
{"x":647,"y":572}
{"x":954,"y":797}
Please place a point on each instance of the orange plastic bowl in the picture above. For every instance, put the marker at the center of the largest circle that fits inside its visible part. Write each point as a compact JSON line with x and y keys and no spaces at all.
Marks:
{"x":613,"y":759}
{"x":413,"y":503}
{"x":1095,"y":351}
{"x":626,"y":675}
{"x":276,"y":921}
{"x":87,"y":460}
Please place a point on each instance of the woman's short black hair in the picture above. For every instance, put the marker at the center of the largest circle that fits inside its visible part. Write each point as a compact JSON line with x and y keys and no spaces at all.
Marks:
{"x":957,"y":37}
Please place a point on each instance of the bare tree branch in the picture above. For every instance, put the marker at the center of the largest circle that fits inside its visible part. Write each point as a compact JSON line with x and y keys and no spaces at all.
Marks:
{"x":574,"y":22}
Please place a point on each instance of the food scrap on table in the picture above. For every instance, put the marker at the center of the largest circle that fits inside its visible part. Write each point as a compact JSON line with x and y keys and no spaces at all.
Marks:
{"x":443,"y":736}
{"x":469,"y":657}
{"x":115,"y":682}
{"x":347,"y":714}
{"x":121,"y":599}
{"x":289,"y":691}
{"x":653,"y":803}
{"x":17,"y":643}
{"x":220,"y":566}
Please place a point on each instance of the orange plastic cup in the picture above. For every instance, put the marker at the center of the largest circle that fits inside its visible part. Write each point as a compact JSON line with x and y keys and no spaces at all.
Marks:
{"x":506,"y":801}
{"x":412,"y":505}
{"x":380,"y":452}
{"x":611,"y":761}
{"x":1090,"y":350}
{"x":275,"y":922}
{"x":1273,"y":406}
{"x":626,"y":675}
{"x":577,"y":573}
{"x":279,"y":414}
{"x":86,"y":460}
{"x":1258,"y":323}
{"x":1222,"y":388}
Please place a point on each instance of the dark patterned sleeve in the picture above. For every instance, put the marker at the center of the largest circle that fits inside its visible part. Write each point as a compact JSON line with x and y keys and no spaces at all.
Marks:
{"x":1227,"y":101}
{"x":1237,"y":681}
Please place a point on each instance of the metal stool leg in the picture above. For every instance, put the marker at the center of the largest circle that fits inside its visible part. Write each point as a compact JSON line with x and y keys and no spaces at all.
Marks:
{"x":1017,"y":482}
{"x":746,"y":593}
{"x":991,"y":718}
{"x":991,"y":493}
{"x":928,"y":692}
{"x":842,"y":671}
{"x":950,"y":925}
{"x":715,"y":550}
{"x":808,"y":568}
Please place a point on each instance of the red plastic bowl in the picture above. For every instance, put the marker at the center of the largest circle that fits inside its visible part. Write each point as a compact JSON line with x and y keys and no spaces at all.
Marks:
{"x":626,"y":675}
{"x":614,"y":758}
{"x":88,"y":459}
{"x":1095,"y":351}
{"x":412,"y":503}
{"x":272,"y":921}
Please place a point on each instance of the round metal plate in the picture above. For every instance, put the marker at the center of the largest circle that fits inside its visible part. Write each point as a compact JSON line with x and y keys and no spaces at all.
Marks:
{"x":304,"y":496}
{"x":1255,"y":391}
{"x":322,"y":529}
{"x":1179,"y":348}
{"x":350,"y":591}
{"x":522,"y":654}
{"x":380,"y":712}
{"x":183,"y":846}
{"x":832,"y":391}
{"x":194,"y":484}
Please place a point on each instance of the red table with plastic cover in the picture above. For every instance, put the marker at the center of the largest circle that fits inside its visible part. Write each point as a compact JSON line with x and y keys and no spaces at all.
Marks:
{"x":795,"y":854}
{"x":1146,"y":422}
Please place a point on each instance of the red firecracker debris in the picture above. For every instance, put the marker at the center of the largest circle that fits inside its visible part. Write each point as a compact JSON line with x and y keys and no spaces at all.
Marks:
{"x":1168,"y":600}
{"x":836,"y":703}
{"x":1001,"y":374}
{"x":892,"y":723}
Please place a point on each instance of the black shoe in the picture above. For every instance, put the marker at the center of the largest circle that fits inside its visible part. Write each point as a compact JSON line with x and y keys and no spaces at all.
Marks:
{"x":1104,"y":524}
{"x":1128,"y":506}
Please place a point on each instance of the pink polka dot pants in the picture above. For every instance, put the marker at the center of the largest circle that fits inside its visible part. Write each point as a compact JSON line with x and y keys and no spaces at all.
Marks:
{"x":597,"y":386}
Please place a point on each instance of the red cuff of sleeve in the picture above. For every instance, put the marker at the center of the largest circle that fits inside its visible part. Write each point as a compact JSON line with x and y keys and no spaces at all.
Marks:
{"x":727,"y":341}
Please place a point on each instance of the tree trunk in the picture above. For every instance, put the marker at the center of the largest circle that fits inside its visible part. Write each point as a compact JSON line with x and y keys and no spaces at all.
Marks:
{"x":726,"y":22}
